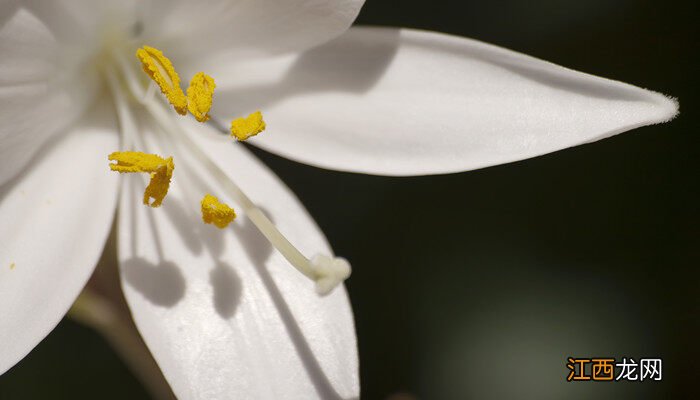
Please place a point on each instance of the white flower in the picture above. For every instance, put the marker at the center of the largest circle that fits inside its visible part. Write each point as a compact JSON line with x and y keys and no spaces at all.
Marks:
{"x":222,"y":313}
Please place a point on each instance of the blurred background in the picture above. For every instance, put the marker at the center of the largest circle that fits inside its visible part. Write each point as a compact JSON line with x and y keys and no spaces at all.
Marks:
{"x":478,"y":285}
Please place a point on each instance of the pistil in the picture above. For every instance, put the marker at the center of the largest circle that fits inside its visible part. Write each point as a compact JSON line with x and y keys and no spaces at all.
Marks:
{"x":326,"y":271}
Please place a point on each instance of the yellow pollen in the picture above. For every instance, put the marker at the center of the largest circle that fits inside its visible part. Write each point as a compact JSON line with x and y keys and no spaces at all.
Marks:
{"x":161,"y":170}
{"x":161,"y":70}
{"x":199,"y":96}
{"x":215,"y":212}
{"x":244,"y":128}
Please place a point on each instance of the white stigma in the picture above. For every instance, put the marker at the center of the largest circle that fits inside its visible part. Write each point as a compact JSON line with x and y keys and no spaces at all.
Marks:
{"x":330,"y":272}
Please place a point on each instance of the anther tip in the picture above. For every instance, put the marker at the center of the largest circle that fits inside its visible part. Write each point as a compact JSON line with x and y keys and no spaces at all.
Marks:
{"x":330,"y":272}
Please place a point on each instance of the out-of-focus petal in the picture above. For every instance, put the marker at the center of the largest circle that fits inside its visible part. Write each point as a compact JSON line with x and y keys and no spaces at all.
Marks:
{"x":406,"y":102}
{"x":35,"y":96}
{"x":54,"y":220}
{"x":86,"y":23}
{"x":223,"y":313}
{"x":202,"y":33}
{"x":7,"y":9}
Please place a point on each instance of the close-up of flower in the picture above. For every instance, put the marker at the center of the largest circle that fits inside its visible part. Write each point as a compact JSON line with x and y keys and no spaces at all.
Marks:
{"x":231,"y":284}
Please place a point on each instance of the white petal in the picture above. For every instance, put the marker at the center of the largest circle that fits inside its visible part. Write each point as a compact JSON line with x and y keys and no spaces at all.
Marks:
{"x":7,"y":9}
{"x":85,"y":22}
{"x":26,"y":46}
{"x":238,"y":28}
{"x":54,"y":220}
{"x":224,"y":315}
{"x":36,"y":103}
{"x":405,"y":102}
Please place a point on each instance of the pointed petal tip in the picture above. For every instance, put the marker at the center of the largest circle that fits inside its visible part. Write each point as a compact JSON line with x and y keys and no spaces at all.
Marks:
{"x":661,"y":108}
{"x":449,"y":104}
{"x":670,"y":108}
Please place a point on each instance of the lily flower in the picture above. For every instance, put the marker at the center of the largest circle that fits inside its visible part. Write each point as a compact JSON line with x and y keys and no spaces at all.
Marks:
{"x":221,"y":311}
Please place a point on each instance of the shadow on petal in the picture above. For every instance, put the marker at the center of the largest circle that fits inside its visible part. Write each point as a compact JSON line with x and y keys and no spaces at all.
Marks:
{"x":356,"y":61}
{"x":7,"y":11}
{"x":259,"y":250}
{"x":227,"y":287}
{"x":332,"y":67}
{"x":161,"y":284}
{"x":196,"y":236}
{"x":256,"y":246}
{"x":181,"y":218}
{"x":213,"y":238}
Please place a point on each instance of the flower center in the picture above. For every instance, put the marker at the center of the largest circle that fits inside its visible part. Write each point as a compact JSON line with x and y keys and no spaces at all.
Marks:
{"x":326,"y":271}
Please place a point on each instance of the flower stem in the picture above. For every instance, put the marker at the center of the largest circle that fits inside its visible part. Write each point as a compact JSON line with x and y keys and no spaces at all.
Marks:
{"x":95,"y":312}
{"x":101,"y":306}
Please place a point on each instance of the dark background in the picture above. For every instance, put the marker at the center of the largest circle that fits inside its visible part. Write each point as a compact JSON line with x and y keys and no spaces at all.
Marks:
{"x":478,"y":285}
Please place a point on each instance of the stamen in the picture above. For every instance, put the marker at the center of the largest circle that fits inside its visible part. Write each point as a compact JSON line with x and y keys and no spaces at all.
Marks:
{"x":215,"y":212}
{"x":327,"y":271}
{"x":161,"y":170}
{"x":161,"y":70}
{"x":199,"y":96}
{"x":244,"y":128}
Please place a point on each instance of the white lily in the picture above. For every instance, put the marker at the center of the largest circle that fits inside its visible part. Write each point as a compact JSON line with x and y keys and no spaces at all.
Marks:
{"x":222,"y":313}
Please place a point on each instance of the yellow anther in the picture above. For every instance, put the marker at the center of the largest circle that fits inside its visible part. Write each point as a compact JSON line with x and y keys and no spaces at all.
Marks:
{"x":199,"y":96}
{"x":244,"y":128}
{"x":215,"y":212}
{"x":161,"y":170}
{"x":161,"y":70}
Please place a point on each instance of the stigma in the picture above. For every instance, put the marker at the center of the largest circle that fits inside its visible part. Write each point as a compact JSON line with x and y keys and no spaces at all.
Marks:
{"x":329,"y":272}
